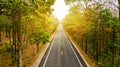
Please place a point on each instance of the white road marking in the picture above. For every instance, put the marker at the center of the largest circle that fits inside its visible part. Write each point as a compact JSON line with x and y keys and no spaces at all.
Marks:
{"x":61,"y":51}
{"x":49,"y":52}
{"x":74,"y":52}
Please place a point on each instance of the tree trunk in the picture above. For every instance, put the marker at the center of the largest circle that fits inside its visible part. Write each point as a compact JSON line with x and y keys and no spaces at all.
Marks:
{"x":6,"y":32}
{"x":86,"y":45}
{"x":113,"y":48}
{"x":37,"y":47}
{"x":9,"y":37}
{"x":13,"y":36}
{"x":119,"y":37}
{"x":0,"y":37}
{"x":19,"y":34}
{"x":97,"y":49}
{"x":97,"y":41}
{"x":107,"y":42}
{"x":82,"y":42}
{"x":119,"y":10}
{"x":113,"y":57}
{"x":14,"y":46}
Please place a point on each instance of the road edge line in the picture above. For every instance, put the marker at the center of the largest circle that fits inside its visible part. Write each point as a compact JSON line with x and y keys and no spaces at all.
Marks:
{"x":74,"y":52}
{"x":77,"y":49}
{"x":41,"y":55}
{"x":48,"y":53}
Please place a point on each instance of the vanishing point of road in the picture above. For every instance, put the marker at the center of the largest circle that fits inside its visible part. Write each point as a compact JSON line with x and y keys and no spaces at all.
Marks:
{"x":61,"y":52}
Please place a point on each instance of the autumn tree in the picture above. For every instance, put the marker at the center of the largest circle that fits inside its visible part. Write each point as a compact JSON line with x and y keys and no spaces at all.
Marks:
{"x":95,"y":28}
{"x":18,"y":18}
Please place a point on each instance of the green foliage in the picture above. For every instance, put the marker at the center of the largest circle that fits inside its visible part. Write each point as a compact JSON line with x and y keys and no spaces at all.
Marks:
{"x":113,"y":22}
{"x":13,"y":61}
{"x":39,"y":36}
{"x":96,"y":25}
{"x":8,"y":48}
{"x":23,"y":20}
{"x":113,"y":46}
{"x":3,"y":22}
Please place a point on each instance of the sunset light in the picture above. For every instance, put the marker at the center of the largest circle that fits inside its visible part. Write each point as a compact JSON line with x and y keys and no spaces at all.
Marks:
{"x":60,"y":9}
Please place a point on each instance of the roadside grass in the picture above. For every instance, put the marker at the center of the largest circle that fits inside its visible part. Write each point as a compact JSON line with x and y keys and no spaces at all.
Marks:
{"x":31,"y":54}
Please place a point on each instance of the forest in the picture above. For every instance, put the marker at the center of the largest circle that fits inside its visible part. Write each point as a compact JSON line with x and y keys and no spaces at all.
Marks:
{"x":27,"y":25}
{"x":95,"y":27}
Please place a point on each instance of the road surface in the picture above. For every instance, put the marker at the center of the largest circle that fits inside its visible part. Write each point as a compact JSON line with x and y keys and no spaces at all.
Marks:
{"x":61,"y":52}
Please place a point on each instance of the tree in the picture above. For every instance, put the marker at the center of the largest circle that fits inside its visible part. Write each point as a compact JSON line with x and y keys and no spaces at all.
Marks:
{"x":35,"y":37}
{"x":119,"y":8}
{"x":20,"y":16}
{"x":95,"y":29}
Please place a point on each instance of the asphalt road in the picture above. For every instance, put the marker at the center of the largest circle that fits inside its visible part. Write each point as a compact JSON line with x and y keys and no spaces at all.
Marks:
{"x":61,"y":52}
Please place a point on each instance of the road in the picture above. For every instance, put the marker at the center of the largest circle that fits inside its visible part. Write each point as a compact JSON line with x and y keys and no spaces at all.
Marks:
{"x":61,"y":52}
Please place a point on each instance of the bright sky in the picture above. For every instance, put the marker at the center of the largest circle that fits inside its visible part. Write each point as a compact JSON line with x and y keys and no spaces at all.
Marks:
{"x":60,"y":9}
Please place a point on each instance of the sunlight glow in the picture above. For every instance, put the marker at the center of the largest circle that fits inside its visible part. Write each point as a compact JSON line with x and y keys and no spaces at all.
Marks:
{"x":60,"y":9}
